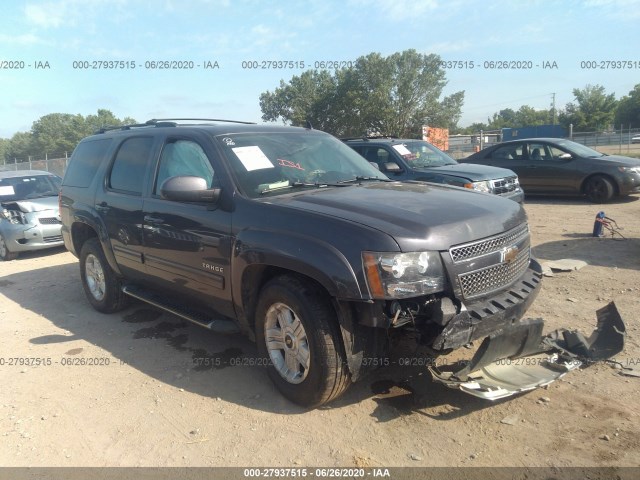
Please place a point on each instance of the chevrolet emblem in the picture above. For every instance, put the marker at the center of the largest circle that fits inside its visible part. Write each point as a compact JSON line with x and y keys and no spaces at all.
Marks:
{"x":509,"y":254}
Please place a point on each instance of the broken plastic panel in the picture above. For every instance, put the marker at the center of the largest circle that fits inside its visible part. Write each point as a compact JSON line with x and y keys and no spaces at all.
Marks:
{"x":520,"y":359}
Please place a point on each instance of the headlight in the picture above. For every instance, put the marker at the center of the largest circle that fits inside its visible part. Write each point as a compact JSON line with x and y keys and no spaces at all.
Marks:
{"x":629,"y":169}
{"x":402,"y":275}
{"x":13,"y":216}
{"x":483,"y":186}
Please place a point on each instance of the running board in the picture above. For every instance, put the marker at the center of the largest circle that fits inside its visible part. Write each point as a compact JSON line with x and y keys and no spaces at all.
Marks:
{"x":226,"y":326}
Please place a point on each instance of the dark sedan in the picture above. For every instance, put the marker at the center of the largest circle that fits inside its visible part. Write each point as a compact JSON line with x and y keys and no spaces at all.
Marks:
{"x":558,"y":166}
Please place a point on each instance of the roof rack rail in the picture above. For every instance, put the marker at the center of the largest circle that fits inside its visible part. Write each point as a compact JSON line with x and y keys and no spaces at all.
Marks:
{"x":369,"y":137}
{"x":154,"y":121}
{"x":164,"y":122}
{"x":344,"y":139}
{"x":133,"y":125}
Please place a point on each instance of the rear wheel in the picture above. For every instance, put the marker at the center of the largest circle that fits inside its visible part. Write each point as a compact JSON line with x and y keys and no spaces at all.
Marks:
{"x":5,"y":253}
{"x":298,"y":335}
{"x":102,"y":286}
{"x":599,"y":189}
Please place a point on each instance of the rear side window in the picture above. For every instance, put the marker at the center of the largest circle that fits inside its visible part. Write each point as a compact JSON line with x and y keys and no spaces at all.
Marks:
{"x":508,"y":152}
{"x":85,"y":161}
{"x":130,"y":164}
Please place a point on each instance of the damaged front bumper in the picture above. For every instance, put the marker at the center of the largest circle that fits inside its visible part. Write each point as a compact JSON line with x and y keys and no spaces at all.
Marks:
{"x":32,"y":231}
{"x":519,"y":358}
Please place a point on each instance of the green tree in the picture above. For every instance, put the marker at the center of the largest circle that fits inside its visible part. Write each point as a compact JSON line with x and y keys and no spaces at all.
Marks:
{"x":20,"y":147}
{"x":4,"y":149}
{"x":593,"y":109}
{"x":525,"y":116}
{"x":628,"y":111}
{"x":306,"y":97}
{"x":104,"y":118}
{"x":56,"y":133}
{"x":393,"y":95}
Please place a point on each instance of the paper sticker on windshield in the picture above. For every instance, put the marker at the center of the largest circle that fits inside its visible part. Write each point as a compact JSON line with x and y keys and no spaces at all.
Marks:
{"x":402,"y":150}
{"x":7,"y":190}
{"x":252,"y":158}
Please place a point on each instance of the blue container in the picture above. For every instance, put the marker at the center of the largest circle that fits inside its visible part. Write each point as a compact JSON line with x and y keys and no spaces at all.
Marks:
{"x":597,"y":225}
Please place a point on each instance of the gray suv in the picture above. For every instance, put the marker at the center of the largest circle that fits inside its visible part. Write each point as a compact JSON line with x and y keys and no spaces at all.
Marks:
{"x":290,"y":237}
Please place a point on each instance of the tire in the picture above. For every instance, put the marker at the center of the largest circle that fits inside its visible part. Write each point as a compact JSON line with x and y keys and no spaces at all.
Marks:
{"x":5,"y":253}
{"x":304,"y":356}
{"x":102,"y":286}
{"x":599,"y":189}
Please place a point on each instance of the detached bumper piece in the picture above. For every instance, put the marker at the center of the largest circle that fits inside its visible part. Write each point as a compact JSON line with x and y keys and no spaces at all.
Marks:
{"x":520,"y":359}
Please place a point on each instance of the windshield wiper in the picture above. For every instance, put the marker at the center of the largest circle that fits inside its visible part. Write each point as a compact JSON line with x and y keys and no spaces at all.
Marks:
{"x":303,"y":184}
{"x":363,"y":179}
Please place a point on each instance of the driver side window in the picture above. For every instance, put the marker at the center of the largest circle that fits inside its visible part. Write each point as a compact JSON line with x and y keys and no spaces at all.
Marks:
{"x":538,"y":152}
{"x":183,"y":157}
{"x":556,"y":152}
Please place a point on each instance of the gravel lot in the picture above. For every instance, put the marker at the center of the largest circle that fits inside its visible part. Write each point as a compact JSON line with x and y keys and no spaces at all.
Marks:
{"x":124,"y":390}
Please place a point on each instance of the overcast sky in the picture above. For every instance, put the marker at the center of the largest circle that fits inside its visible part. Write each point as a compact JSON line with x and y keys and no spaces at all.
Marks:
{"x":57,"y":33}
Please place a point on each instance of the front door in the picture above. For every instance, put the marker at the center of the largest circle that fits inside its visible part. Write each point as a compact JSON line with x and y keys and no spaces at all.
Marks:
{"x":187,"y":245}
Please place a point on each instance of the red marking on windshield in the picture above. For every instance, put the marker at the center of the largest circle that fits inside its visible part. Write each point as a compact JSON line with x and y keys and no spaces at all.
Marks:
{"x":289,"y":164}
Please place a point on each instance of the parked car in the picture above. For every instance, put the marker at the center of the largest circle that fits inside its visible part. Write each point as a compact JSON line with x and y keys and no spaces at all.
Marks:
{"x":558,"y":166}
{"x":404,"y":159}
{"x":289,"y":236}
{"x":635,"y":139}
{"x":29,"y":217}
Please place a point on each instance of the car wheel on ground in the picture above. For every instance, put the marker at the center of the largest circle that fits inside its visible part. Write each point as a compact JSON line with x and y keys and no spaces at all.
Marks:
{"x":599,"y":189}
{"x":5,"y":253}
{"x":101,"y":284}
{"x":297,"y":335}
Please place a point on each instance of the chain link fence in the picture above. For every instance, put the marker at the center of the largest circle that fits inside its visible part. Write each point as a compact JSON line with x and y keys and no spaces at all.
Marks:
{"x":53,"y":165}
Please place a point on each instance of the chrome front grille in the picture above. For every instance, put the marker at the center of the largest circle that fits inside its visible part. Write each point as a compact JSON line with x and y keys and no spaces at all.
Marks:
{"x":495,"y":277}
{"x":506,"y":185}
{"x":489,"y":245}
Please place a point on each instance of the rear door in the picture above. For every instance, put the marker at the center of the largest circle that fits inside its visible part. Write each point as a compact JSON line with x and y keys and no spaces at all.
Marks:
{"x":514,"y":157}
{"x":188,"y":245}
{"x":119,"y":202}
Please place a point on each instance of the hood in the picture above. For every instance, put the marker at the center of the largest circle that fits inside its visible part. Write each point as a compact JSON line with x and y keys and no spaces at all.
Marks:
{"x":619,"y":160}
{"x":35,"y":204}
{"x":472,"y":172}
{"x":418,"y":216}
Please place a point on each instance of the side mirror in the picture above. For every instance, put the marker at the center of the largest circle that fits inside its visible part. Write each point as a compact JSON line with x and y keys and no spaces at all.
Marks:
{"x":566,"y":156}
{"x":188,"y":188}
{"x":392,"y":167}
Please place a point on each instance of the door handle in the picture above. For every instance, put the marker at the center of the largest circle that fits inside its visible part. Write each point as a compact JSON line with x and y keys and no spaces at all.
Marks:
{"x":102,"y":207}
{"x":150,"y":219}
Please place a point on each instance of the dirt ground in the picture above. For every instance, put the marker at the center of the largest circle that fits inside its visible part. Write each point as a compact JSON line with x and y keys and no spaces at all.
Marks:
{"x":124,"y":389}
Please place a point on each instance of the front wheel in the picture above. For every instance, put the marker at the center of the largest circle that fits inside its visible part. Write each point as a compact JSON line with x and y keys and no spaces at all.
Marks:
{"x":298,"y":334}
{"x":599,"y":189}
{"x":5,"y":253}
{"x":102,"y":286}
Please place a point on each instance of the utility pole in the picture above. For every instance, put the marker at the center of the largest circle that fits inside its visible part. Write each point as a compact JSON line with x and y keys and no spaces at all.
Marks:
{"x":553,"y":108}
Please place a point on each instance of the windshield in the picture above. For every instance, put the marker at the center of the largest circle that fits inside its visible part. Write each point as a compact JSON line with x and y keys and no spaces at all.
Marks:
{"x":275,"y":162}
{"x":420,"y":154}
{"x":578,"y":149}
{"x":28,"y":187}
